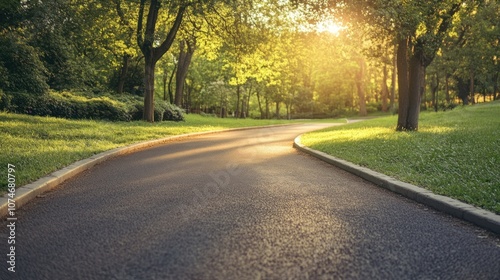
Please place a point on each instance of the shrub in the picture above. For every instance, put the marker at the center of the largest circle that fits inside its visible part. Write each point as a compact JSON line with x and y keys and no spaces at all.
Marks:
{"x":5,"y":101}
{"x":164,"y":111}
{"x":69,"y":105}
{"x":173,"y":113}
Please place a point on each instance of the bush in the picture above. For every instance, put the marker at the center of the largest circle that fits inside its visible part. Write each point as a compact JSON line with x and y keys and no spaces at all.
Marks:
{"x":69,"y":105}
{"x":164,"y":111}
{"x":173,"y":113}
{"x":5,"y":101}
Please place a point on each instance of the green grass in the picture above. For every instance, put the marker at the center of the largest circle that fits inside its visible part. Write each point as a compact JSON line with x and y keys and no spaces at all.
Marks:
{"x":454,"y":153}
{"x":38,"y":146}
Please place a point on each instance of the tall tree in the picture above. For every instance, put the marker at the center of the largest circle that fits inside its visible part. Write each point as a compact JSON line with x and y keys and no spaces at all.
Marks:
{"x":417,"y":47}
{"x":187,"y":48}
{"x":418,"y":27}
{"x":147,"y":40}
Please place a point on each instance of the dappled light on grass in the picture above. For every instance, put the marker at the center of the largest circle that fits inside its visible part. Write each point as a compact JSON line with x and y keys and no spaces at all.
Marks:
{"x":348,"y":135}
{"x":454,"y":153}
{"x":437,"y":129}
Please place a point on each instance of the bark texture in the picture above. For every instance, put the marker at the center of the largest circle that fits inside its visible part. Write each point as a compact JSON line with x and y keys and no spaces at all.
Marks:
{"x":145,"y":40}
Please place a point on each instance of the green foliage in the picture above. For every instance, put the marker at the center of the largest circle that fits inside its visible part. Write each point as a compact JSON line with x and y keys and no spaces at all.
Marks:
{"x":67,"y":105}
{"x":68,"y":67}
{"x":164,"y":111}
{"x":70,"y":105}
{"x":5,"y":101}
{"x":20,"y":65}
{"x":173,"y":113}
{"x":134,"y":78}
{"x":10,"y":13}
{"x":455,"y":153}
{"x":272,"y":57}
{"x":471,"y":50}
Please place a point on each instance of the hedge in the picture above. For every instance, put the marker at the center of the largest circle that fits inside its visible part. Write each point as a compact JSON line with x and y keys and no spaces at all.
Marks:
{"x":86,"y":106}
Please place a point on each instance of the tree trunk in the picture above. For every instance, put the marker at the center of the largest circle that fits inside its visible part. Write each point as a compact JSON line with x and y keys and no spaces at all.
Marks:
{"x":412,"y":82}
{"x":247,"y":112}
{"x":385,"y":90}
{"x":393,"y":79}
{"x":403,"y":84}
{"x":164,"y":80}
{"x":277,"y":110}
{"x":237,"y":112}
{"x":243,"y":113}
{"x":187,"y":101}
{"x":447,"y":88}
{"x":185,"y":56}
{"x":496,"y":94}
{"x":145,"y":41}
{"x":222,"y":106}
{"x":415,"y":91}
{"x":267,"y":107}
{"x":289,"y":105}
{"x":471,"y":87}
{"x":123,"y":74}
{"x":463,"y":90}
{"x":435,"y":87}
{"x":360,"y":85}
{"x":170,"y":92}
{"x":149,"y":88}
{"x":262,"y":114}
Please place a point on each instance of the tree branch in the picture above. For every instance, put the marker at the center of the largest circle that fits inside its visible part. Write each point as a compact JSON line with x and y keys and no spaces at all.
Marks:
{"x":140,"y":39}
{"x":441,"y":32}
{"x":120,"y":13}
{"x":167,"y":43}
{"x":154,"y":8}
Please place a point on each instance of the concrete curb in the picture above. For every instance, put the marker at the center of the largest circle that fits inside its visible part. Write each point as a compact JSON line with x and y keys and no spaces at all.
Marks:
{"x":453,"y":207}
{"x":30,"y":191}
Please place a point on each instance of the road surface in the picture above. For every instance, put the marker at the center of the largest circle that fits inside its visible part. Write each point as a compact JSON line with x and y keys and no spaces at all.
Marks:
{"x":238,"y":205}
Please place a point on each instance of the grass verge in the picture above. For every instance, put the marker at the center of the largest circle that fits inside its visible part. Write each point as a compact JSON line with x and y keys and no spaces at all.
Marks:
{"x":38,"y":146}
{"x":454,"y":153}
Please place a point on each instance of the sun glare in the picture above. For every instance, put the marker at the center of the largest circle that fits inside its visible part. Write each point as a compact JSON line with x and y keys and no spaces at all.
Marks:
{"x":330,"y":27}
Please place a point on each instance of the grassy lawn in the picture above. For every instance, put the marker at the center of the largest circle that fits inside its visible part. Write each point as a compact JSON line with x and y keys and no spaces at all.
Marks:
{"x":454,"y":153}
{"x":40,"y":145}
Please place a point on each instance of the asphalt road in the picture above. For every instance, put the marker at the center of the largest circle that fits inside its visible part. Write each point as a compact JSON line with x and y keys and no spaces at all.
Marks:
{"x":238,"y":205}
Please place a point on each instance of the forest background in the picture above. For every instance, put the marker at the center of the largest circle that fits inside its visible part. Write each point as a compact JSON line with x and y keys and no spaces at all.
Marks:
{"x":137,"y":59}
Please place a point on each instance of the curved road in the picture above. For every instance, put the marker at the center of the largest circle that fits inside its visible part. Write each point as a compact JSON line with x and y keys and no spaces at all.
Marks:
{"x":238,"y":205}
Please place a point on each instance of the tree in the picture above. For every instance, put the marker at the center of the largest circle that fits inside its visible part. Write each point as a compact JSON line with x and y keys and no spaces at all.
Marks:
{"x":475,"y":52}
{"x":20,"y":66}
{"x":417,"y":47}
{"x":418,"y":27}
{"x":186,"y":52}
{"x":126,"y":53}
{"x":146,"y":40}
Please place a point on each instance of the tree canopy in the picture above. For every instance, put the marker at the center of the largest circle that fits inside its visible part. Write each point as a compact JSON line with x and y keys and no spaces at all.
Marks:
{"x":258,"y":58}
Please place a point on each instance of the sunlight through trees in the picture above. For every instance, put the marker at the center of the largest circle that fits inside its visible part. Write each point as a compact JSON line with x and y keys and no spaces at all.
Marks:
{"x":258,"y":58}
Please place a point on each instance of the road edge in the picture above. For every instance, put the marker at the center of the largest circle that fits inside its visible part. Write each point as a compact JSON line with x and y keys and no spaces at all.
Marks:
{"x":480,"y":217}
{"x":26,"y":193}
